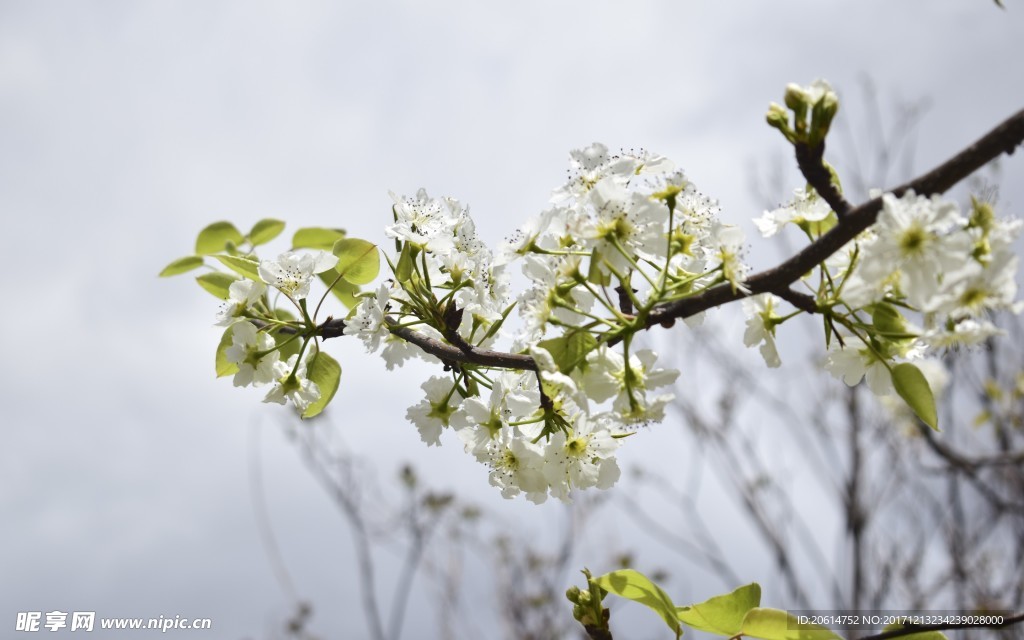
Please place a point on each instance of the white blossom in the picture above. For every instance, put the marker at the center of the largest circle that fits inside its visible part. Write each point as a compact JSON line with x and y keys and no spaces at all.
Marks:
{"x":434,"y":412}
{"x":292,"y":272}
{"x":291,"y":382}
{"x":247,"y":343}
{"x":242,"y":294}
{"x":761,"y":317}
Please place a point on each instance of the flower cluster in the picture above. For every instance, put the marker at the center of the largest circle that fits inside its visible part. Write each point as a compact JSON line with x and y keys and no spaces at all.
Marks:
{"x":626,"y":232}
{"x":922,"y":259}
{"x":623,"y":237}
{"x":255,"y":352}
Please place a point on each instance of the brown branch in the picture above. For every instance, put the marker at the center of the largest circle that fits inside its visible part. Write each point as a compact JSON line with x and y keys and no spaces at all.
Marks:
{"x":812,"y":165}
{"x":1004,"y":138}
{"x":472,"y":355}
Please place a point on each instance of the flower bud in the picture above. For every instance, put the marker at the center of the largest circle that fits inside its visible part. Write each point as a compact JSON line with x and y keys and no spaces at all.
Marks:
{"x":796,"y":97}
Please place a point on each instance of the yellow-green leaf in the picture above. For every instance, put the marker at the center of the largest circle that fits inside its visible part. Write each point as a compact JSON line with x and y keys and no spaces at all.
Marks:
{"x":216,"y":283}
{"x":216,"y":238}
{"x":913,"y":387}
{"x":181,"y":265}
{"x":224,"y":367}
{"x":265,"y":230}
{"x":406,"y":260}
{"x":242,"y":266}
{"x":722,"y":615}
{"x":635,"y":586}
{"x":316,"y":238}
{"x":358,"y":260}
{"x":595,"y":273}
{"x":887,"y":320}
{"x":569,"y":350}
{"x":775,"y":624}
{"x":326,"y":373}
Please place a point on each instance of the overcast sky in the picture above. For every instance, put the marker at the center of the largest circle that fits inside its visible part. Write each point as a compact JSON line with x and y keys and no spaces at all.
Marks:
{"x":125,"y":127}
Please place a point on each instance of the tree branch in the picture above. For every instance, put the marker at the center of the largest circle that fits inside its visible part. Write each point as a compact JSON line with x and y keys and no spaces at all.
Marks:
{"x":1004,"y":138}
{"x":812,"y":165}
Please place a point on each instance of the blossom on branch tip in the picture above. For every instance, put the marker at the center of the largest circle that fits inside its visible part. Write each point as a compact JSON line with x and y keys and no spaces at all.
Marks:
{"x":426,"y":222}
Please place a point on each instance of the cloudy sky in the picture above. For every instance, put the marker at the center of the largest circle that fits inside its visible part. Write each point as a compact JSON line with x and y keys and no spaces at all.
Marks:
{"x":125,"y":127}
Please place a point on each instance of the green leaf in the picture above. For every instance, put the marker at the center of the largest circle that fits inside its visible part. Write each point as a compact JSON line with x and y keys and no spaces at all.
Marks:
{"x":358,"y":260}
{"x":224,"y":367}
{"x":344,"y":291}
{"x":722,"y":615}
{"x":265,"y":230}
{"x":635,"y":586}
{"x":775,"y":624}
{"x":595,"y":275}
{"x":241,"y":266}
{"x":316,"y":238}
{"x":406,"y":263}
{"x":217,"y":283}
{"x":569,"y":350}
{"x":913,"y":387}
{"x":216,"y":237}
{"x":887,"y":319}
{"x":326,"y":373}
{"x":181,"y":265}
{"x":286,"y":346}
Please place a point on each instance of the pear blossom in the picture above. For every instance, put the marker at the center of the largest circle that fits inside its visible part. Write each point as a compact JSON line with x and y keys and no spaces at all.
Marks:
{"x":247,"y":343}
{"x":424,"y":221}
{"x":517,"y":466}
{"x":728,"y":242}
{"x":434,"y":412}
{"x":918,"y":242}
{"x":292,"y":272}
{"x":581,"y":458}
{"x":806,"y":207}
{"x":525,"y":238}
{"x":242,"y":294}
{"x":367,"y":321}
{"x":606,"y":377}
{"x":965,"y":333}
{"x":761,"y":321}
{"x":856,"y":361}
{"x":291,"y":383}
